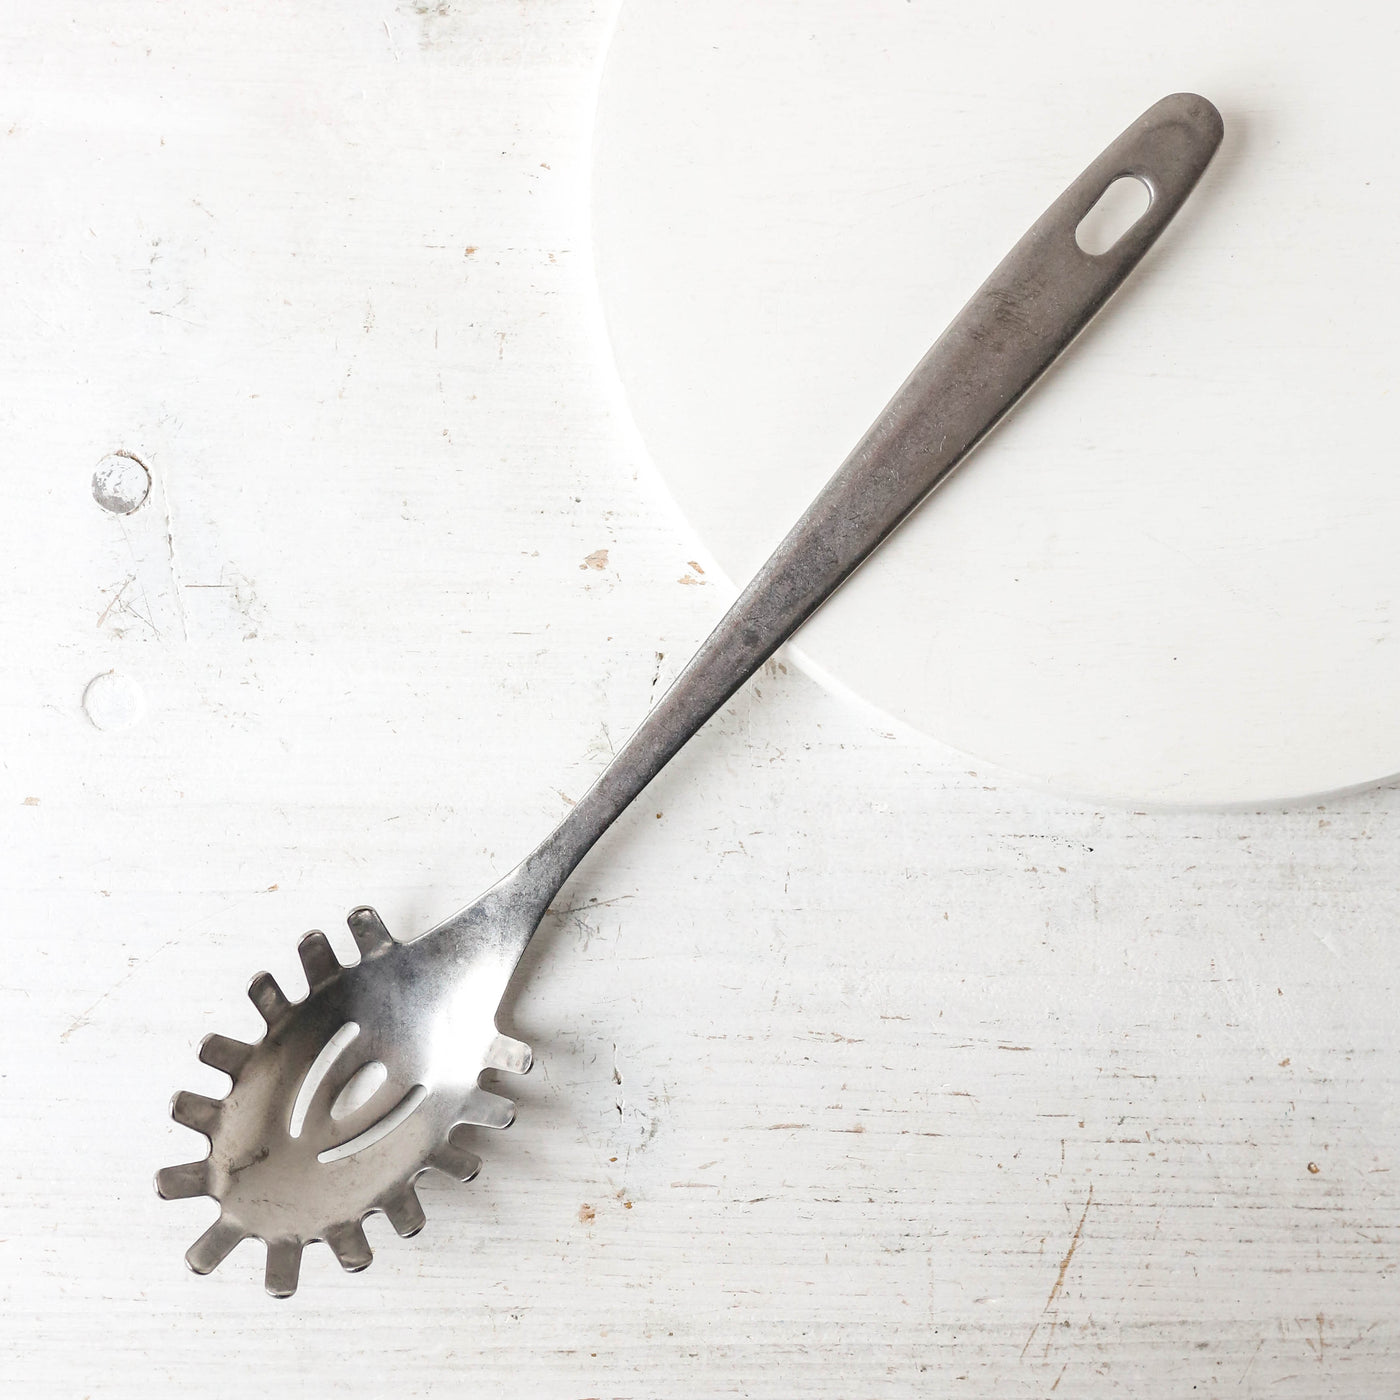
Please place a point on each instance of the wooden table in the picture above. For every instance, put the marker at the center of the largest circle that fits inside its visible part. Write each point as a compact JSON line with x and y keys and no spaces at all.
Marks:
{"x":858,"y":1073}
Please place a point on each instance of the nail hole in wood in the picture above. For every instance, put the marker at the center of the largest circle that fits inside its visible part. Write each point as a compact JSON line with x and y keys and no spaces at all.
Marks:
{"x":121,"y":483}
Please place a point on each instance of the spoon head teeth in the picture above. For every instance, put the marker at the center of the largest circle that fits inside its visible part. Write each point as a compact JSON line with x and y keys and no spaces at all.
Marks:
{"x":511,"y":1055}
{"x":487,"y":1110}
{"x":225,"y":1053}
{"x":195,"y":1111}
{"x":318,"y":960}
{"x":350,"y":1247}
{"x":405,"y":1212}
{"x":299,"y":1153}
{"x":188,"y":1179}
{"x":269,"y":998}
{"x":368,"y":931}
{"x":455,"y":1161}
{"x":283,"y":1267}
{"x":214,"y":1246}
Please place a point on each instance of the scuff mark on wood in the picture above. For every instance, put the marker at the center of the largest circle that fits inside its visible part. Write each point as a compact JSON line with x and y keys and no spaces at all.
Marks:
{"x":1059,"y":1283}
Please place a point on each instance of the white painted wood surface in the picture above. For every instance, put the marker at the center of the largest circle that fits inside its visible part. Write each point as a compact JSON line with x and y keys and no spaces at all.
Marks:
{"x":859,"y":1074}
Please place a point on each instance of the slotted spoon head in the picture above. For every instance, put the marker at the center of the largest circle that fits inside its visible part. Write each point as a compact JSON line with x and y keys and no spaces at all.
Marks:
{"x":290,"y":1160}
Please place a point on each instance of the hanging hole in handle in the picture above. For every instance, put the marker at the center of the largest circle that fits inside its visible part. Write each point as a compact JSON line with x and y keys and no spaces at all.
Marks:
{"x":1117,"y":209}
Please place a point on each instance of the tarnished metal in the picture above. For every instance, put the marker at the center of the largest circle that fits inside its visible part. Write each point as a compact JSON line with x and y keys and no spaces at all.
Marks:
{"x":291,"y":1161}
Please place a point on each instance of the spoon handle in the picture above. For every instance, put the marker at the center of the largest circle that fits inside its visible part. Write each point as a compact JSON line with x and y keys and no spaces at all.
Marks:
{"x":1041,"y":296}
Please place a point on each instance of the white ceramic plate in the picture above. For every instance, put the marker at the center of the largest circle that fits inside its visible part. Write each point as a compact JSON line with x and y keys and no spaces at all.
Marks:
{"x":1171,"y":576}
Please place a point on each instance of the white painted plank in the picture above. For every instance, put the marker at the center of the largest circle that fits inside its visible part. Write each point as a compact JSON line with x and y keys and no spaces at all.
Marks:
{"x":783,"y":1137}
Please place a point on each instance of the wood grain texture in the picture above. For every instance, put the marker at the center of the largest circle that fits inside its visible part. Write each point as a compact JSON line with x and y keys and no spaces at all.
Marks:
{"x":858,"y":1073}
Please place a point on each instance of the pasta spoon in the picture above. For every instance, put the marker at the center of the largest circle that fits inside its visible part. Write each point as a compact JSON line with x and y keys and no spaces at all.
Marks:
{"x":373,"y":1077}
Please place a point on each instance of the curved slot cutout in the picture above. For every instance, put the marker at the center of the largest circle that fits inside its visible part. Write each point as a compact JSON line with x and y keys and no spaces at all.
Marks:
{"x":1115,"y":211}
{"x":315,"y":1076}
{"x":381,"y":1129}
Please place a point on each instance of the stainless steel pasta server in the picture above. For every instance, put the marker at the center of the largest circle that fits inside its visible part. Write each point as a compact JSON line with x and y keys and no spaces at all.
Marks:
{"x":295,"y":1156}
